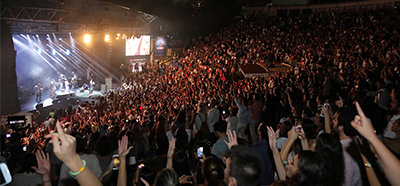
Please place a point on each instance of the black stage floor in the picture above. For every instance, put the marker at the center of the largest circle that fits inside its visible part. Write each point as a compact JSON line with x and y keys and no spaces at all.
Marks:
{"x":29,"y":104}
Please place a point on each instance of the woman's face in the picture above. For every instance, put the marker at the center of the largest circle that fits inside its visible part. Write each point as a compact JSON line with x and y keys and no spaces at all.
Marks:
{"x":292,"y":167}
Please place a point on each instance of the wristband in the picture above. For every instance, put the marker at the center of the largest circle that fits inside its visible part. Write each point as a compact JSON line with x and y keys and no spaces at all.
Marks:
{"x":73,"y":174}
{"x":46,"y":181}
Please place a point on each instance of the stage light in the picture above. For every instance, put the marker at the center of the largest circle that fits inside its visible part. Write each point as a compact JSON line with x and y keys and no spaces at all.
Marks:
{"x":107,"y":38}
{"x":87,"y":38}
{"x":68,"y":52}
{"x":54,"y":52}
{"x":39,"y":51}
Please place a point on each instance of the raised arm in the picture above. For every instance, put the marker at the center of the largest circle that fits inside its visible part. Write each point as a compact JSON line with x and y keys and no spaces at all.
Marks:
{"x":327,"y":127}
{"x":123,"y":150}
{"x":170,"y":154}
{"x":43,"y":167}
{"x":389,"y":162}
{"x":64,"y":149}
{"x":292,"y":136}
{"x":277,"y":158}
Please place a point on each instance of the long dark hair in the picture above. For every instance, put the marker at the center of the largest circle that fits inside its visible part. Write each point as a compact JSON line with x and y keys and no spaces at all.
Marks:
{"x":311,"y":170}
{"x":212,"y":170}
{"x":330,"y":150}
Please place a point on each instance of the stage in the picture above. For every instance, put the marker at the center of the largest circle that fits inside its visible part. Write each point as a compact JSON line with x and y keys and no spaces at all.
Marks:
{"x":30,"y":103}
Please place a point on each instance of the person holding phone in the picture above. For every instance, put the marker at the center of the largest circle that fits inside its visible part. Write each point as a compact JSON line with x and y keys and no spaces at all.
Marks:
{"x":232,"y":120}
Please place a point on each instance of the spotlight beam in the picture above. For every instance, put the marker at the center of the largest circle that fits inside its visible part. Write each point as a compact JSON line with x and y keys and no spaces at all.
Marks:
{"x":93,"y":61}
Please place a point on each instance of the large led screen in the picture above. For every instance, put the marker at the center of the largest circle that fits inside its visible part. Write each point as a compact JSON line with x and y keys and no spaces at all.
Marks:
{"x":138,"y":46}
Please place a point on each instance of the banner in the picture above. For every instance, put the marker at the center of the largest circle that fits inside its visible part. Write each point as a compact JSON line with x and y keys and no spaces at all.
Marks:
{"x":160,"y":46}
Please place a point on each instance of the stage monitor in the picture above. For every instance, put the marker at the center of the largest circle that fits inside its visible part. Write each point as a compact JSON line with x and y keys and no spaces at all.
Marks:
{"x":138,"y":46}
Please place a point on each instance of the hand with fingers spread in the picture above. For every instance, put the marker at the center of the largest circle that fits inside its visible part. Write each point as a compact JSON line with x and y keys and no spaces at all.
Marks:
{"x":363,"y":124}
{"x":43,"y":163}
{"x":271,"y":137}
{"x":232,"y":139}
{"x":123,"y":149}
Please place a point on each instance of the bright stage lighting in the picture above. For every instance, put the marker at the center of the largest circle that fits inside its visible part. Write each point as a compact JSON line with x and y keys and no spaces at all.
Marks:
{"x":39,"y":51}
{"x":87,"y":38}
{"x":54,"y":52}
{"x":68,"y":52}
{"x":107,"y":38}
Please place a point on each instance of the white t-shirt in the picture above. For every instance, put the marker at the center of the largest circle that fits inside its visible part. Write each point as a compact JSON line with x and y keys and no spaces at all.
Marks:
{"x":92,"y":163}
{"x":232,"y":123}
{"x":388,"y":131}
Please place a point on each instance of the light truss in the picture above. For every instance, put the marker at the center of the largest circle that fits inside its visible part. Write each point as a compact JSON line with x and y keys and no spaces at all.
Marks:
{"x":35,"y":14}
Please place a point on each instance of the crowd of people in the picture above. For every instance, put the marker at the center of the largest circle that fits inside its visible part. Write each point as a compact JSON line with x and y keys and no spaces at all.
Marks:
{"x":332,"y":119}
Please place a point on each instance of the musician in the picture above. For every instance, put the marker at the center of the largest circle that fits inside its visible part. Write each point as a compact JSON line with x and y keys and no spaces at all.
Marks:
{"x":38,"y":90}
{"x":61,"y":81}
{"x":92,"y":83}
{"x":73,"y":82}
{"x":53,"y":88}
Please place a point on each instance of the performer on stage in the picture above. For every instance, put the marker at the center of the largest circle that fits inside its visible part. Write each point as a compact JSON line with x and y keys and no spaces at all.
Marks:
{"x":73,"y":82}
{"x":92,"y":83}
{"x":61,"y":81}
{"x":38,"y":90}
{"x":66,"y":85}
{"x":53,"y":88}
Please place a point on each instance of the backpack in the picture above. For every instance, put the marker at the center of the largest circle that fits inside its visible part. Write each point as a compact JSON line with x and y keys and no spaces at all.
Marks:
{"x":204,"y":127}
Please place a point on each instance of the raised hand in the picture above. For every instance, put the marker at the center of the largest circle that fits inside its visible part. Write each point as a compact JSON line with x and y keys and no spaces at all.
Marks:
{"x":185,"y":179}
{"x":43,"y":163}
{"x":123,"y":149}
{"x":64,"y":145}
{"x":271,"y":137}
{"x":232,"y":139}
{"x":292,"y":134}
{"x":171,"y":149}
{"x":302,"y":134}
{"x":363,"y":124}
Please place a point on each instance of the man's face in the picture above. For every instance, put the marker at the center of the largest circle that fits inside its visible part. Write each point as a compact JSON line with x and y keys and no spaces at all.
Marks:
{"x":226,"y":173}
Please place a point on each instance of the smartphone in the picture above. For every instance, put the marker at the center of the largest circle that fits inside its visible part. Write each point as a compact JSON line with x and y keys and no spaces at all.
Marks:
{"x":8,"y":135}
{"x":116,"y":161}
{"x":126,"y":121}
{"x":223,"y":112}
{"x":140,"y":165}
{"x":24,"y":148}
{"x":200,"y":152}
{"x":5,"y":175}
